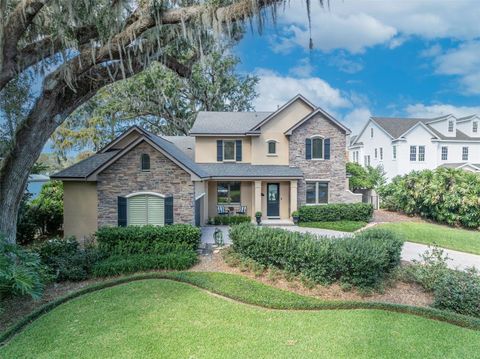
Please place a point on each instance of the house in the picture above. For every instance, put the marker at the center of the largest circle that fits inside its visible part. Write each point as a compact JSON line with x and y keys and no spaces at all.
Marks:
{"x":402,"y":145}
{"x":271,"y":162}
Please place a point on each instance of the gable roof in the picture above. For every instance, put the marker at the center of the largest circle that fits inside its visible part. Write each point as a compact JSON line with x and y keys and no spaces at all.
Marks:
{"x":85,"y":167}
{"x":316,"y":112}
{"x":226,"y":123}
{"x":184,"y":143}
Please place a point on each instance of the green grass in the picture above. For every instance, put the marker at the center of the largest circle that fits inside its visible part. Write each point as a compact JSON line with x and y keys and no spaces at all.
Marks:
{"x":344,"y":226}
{"x":166,"y":319}
{"x":452,"y":238}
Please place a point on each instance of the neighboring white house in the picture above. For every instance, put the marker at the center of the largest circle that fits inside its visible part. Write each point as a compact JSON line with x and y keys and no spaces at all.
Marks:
{"x":402,"y":145}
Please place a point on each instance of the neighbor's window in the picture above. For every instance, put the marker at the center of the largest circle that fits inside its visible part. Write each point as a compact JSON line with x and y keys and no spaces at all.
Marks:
{"x":413,"y":153}
{"x":475,"y":126}
{"x":371,"y":132}
{"x":272,"y":147}
{"x":317,"y":192}
{"x":366,"y":160}
{"x":381,"y":153}
{"x":145,"y":162}
{"x":444,"y":153}
{"x":228,"y":150}
{"x":450,"y":126}
{"x":376,"y":153}
{"x":421,"y":153}
{"x":394,"y":148}
{"x":228,"y":192}
{"x":317,"y":148}
{"x":464,"y":153}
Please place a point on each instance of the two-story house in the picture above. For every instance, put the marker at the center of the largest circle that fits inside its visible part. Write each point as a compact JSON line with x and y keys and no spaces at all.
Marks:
{"x":271,"y":162}
{"x":402,"y":145}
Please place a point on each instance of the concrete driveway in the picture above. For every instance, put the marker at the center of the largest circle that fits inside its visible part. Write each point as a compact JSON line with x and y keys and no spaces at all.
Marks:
{"x":458,"y":260}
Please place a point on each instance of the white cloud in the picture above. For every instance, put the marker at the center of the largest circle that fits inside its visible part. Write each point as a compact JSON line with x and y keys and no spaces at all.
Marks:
{"x":344,"y":64}
{"x":421,"y":110}
{"x":303,"y":69}
{"x":275,"y":90}
{"x":356,"y":119}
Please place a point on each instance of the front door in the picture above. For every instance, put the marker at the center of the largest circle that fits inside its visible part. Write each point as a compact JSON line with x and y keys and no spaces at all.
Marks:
{"x":273,"y":200}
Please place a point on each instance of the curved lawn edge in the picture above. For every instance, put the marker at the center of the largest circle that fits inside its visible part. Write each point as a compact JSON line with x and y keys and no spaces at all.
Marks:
{"x":246,"y":291}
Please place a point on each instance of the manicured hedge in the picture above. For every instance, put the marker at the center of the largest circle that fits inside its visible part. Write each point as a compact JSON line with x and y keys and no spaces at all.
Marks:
{"x":444,"y":195}
{"x":336,"y":212}
{"x":147,"y":237}
{"x":363,"y":260}
{"x":229,"y":220}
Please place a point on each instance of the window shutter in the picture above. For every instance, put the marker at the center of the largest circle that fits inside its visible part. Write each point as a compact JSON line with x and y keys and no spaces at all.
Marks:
{"x":327,"y":148}
{"x":308,"y":149}
{"x":219,"y":150}
{"x":238,"y":144}
{"x":122,"y":211}
{"x":169,"y":210}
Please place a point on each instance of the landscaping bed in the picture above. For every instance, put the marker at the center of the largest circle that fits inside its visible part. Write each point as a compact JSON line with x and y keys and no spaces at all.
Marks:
{"x":343,"y":226}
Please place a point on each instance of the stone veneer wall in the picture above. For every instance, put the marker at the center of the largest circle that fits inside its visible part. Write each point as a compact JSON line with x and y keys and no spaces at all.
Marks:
{"x":125,"y":177}
{"x":333,"y":170}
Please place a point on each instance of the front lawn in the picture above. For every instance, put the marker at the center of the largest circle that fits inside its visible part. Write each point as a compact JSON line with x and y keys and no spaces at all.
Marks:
{"x":343,"y":226}
{"x":427,"y":233}
{"x":159,"y":318}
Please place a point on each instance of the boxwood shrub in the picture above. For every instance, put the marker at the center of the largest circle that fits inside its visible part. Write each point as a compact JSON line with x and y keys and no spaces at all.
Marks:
{"x":336,"y":212}
{"x":362,"y":261}
{"x":229,"y":220}
{"x":144,"y":238}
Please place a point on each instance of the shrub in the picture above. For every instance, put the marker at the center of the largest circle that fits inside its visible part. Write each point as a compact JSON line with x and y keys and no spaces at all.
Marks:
{"x":21,"y":271}
{"x":47,"y":208}
{"x":26,"y":226}
{"x":66,"y":260}
{"x":229,"y":220}
{"x":336,"y":212}
{"x":119,"y":264}
{"x":444,"y":195}
{"x":363,"y":260}
{"x":147,"y":238}
{"x":459,"y":292}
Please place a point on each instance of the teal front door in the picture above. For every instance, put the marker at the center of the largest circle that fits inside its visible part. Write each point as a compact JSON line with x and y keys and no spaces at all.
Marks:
{"x":273,"y":200}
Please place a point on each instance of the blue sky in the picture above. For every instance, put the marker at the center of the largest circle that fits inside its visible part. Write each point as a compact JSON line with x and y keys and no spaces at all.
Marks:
{"x":381,"y":58}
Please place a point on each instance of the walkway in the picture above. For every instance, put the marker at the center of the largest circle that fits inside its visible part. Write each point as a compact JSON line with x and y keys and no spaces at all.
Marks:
{"x":410,"y":250}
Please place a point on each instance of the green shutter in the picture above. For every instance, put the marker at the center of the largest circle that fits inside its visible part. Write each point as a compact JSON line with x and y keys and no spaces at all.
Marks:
{"x":219,"y":150}
{"x":308,"y":149}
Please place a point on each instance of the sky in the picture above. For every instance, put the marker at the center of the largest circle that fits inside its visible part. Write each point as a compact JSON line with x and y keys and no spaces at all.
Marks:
{"x":400,"y":58}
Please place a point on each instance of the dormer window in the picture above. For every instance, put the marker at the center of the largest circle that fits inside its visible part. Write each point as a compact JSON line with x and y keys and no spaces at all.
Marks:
{"x":475,"y":126}
{"x":145,"y":162}
{"x":450,"y":126}
{"x":272,"y":147}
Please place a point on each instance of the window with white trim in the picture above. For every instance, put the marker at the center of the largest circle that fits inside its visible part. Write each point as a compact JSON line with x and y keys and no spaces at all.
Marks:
{"x":144,"y":209}
{"x":376,"y":153}
{"x":465,"y":153}
{"x":228,"y":192}
{"x":444,"y":153}
{"x":371,"y":132}
{"x":394,"y":152}
{"x":413,"y":153}
{"x":366,"y":160}
{"x":450,"y":126}
{"x":316,"y":192}
{"x":229,"y":150}
{"x":421,"y":153}
{"x":272,"y":147}
{"x":381,"y":153}
{"x":475,"y":126}
{"x":317,"y":148}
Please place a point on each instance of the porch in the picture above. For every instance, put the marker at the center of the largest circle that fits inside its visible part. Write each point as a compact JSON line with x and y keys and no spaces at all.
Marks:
{"x":275,"y":198}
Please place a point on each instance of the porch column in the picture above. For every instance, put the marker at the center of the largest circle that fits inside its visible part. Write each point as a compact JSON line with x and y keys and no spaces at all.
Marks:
{"x":258,"y":197}
{"x":293,"y":196}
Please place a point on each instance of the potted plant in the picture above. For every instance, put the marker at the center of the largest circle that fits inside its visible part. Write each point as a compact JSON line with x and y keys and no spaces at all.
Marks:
{"x":258,"y":216}
{"x":295,"y":217}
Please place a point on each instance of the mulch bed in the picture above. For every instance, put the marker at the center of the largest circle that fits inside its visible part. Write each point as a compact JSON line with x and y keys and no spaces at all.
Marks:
{"x":382,"y":215}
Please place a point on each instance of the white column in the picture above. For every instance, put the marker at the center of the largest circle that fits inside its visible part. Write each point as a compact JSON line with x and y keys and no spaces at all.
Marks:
{"x":258,"y":197}
{"x":293,"y":196}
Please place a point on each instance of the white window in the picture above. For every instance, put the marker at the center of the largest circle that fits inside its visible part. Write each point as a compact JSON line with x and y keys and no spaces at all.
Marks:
{"x":317,"y":192}
{"x":355,"y":156}
{"x":413,"y":153}
{"x":229,"y":150}
{"x":376,"y":153}
{"x":475,"y":126}
{"x":394,"y":154}
{"x":143,"y":209}
{"x":371,"y":132}
{"x":366,"y":160}
{"x":450,"y":126}
{"x":317,"y":148}
{"x":381,"y":153}
{"x":464,"y":153}
{"x":444,"y":153}
{"x":272,"y":147}
{"x":421,"y":153}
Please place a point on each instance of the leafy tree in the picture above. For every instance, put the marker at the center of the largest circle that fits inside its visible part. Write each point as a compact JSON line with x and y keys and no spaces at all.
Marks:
{"x":47,"y":208}
{"x":78,"y":47}
{"x":158,"y":100}
{"x":365,"y":177}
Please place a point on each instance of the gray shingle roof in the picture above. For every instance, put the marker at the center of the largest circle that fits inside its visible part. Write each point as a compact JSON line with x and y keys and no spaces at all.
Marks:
{"x":249,"y":170}
{"x":456,"y":165}
{"x":85,"y":167}
{"x":226,"y":122}
{"x":185,"y":143}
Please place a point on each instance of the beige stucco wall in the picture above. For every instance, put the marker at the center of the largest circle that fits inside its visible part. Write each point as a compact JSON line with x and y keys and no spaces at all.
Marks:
{"x":246,"y":197}
{"x":274,"y":130}
{"x":80,"y":209}
{"x":206,"y":148}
